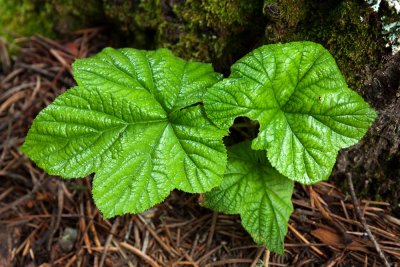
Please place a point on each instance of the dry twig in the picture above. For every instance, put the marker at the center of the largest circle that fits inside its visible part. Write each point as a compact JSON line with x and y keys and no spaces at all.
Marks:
{"x":364,"y":222}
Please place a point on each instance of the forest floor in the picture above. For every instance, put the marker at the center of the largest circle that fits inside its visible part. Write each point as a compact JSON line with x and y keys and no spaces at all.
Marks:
{"x":47,"y":221}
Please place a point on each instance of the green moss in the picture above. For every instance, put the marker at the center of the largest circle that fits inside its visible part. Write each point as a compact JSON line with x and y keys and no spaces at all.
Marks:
{"x":28,"y":17}
{"x":206,"y":30}
{"x":217,"y":14}
{"x":348,"y":29}
{"x":287,"y":12}
{"x":188,"y":45}
{"x":131,"y":16}
{"x":70,"y":15}
{"x":352,"y":35}
{"x":22,"y":17}
{"x":209,"y":30}
{"x":212,"y":30}
{"x":135,"y":21}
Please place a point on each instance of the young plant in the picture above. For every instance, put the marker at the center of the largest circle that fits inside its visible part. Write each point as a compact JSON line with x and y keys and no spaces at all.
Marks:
{"x":147,"y":122}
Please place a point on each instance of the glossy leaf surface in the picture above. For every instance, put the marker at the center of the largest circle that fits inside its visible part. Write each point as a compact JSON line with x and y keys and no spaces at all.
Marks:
{"x":135,"y":121}
{"x":305,"y":109}
{"x":254,"y":189}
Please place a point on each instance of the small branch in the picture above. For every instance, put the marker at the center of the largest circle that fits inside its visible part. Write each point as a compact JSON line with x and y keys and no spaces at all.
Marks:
{"x":212,"y":229}
{"x":257,"y":257}
{"x":140,"y":254}
{"x":108,"y":241}
{"x":266,"y":258}
{"x":364,"y":222}
{"x":302,"y":238}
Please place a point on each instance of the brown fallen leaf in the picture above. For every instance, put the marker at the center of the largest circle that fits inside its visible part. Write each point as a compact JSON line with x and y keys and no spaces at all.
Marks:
{"x":331,"y":238}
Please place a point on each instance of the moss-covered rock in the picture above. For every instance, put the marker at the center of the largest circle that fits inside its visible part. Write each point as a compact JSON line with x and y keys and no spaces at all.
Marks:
{"x":207,"y":30}
{"x":214,"y":31}
{"x":70,"y":15}
{"x":349,"y":29}
{"x":135,"y":22}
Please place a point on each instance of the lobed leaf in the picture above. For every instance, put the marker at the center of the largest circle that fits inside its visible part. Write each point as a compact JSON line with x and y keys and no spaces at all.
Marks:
{"x":305,"y":109}
{"x":254,"y":189}
{"x":135,"y":121}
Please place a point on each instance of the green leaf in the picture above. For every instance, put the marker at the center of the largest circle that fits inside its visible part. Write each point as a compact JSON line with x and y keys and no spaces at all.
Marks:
{"x":254,"y":189}
{"x":134,"y":120}
{"x":305,"y":109}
